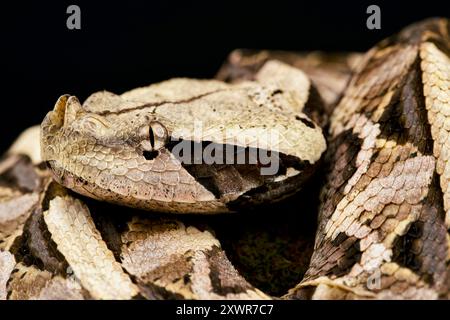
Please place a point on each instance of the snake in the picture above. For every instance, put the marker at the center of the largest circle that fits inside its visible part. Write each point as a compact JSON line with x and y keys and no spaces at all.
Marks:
{"x":136,"y":195}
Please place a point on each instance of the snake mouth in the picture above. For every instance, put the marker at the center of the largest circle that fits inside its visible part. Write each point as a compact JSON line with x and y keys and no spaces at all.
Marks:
{"x":60,"y":175}
{"x":236,"y":175}
{"x":190,"y":153}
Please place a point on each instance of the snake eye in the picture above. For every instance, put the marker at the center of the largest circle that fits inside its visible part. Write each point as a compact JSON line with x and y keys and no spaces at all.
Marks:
{"x":155,"y":137}
{"x":158,"y":135}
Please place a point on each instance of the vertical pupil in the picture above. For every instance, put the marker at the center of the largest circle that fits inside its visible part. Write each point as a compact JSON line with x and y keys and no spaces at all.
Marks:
{"x":152,"y":138}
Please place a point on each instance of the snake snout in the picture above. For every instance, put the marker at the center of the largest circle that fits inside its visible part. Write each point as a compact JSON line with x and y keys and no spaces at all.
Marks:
{"x":65,"y":111}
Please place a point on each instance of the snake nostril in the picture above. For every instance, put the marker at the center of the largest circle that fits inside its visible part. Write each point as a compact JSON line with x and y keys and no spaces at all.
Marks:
{"x":150,"y":155}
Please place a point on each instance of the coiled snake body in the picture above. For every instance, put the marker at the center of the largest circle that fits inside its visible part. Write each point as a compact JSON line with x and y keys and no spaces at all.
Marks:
{"x":384,"y":209}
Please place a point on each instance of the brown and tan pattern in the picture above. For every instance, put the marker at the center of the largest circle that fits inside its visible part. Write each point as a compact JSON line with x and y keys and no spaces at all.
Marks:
{"x":30,"y":283}
{"x":384,"y":217}
{"x":435,"y":66}
{"x":178,"y":261}
{"x":77,"y":238}
{"x":329,"y":73}
{"x":382,"y":230}
{"x":59,"y":252}
{"x":21,"y":186}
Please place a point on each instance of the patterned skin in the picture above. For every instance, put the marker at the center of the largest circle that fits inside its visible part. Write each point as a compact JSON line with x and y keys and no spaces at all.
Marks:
{"x":385,"y":210}
{"x":384,"y":215}
{"x":119,"y":148}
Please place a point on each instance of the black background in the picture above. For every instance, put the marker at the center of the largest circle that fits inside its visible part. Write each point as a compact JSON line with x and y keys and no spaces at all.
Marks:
{"x":133,"y":43}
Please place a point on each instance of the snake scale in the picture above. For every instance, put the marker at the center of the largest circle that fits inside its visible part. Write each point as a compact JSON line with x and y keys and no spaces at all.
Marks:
{"x":360,"y":162}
